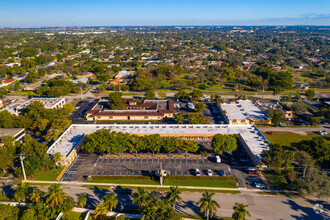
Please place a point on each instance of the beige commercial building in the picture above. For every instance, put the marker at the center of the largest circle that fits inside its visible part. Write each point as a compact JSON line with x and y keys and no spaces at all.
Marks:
{"x":244,"y":112}
{"x":148,"y":110}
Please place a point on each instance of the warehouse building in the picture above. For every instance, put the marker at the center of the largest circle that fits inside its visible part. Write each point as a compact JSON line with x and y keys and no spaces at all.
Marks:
{"x":244,"y":112}
{"x":252,"y":140}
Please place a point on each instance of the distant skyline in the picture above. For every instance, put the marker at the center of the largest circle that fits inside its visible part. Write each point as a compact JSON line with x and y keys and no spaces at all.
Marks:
{"x":37,"y":13}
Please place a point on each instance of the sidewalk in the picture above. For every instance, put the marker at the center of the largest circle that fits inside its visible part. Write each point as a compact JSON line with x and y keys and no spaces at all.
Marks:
{"x":160,"y":186}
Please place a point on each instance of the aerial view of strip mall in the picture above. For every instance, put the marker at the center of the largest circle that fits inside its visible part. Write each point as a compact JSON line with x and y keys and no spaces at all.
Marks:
{"x":164,"y":110}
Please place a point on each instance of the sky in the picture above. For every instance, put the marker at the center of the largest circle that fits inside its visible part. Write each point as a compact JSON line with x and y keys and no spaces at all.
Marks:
{"x":49,"y":13}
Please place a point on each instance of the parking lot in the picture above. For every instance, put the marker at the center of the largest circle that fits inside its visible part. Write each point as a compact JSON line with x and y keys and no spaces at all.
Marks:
{"x":91,"y":165}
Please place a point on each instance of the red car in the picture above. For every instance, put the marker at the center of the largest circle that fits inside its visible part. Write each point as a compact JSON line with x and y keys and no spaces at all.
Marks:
{"x":252,"y":170}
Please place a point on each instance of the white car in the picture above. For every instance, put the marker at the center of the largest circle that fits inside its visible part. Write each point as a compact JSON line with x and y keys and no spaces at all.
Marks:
{"x":197,"y":172}
{"x":323,"y":132}
{"x":209,"y":172}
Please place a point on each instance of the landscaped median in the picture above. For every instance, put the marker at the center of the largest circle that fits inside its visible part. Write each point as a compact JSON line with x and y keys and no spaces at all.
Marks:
{"x":197,"y":181}
{"x":202,"y":181}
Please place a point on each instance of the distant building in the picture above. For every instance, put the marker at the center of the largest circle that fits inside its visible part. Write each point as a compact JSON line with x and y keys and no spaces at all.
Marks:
{"x":269,"y":104}
{"x":49,"y":103}
{"x":301,"y":86}
{"x":148,"y":110}
{"x":17,"y":133}
{"x":6,"y":82}
{"x":244,"y":112}
{"x":124,"y":74}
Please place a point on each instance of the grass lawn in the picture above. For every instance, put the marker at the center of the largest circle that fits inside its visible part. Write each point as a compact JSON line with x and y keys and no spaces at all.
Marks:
{"x":285,"y":138}
{"x":75,"y":216}
{"x":4,"y":198}
{"x":122,"y":180}
{"x":225,"y":183}
{"x":276,"y":181}
{"x":201,"y":217}
{"x":50,"y":175}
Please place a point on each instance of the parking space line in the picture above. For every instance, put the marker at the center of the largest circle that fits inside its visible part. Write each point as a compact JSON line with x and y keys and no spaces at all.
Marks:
{"x":244,"y":183}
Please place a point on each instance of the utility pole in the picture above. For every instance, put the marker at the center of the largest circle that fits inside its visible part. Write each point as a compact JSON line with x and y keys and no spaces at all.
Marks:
{"x":81,"y":93}
{"x":22,"y":158}
{"x":161,"y":173}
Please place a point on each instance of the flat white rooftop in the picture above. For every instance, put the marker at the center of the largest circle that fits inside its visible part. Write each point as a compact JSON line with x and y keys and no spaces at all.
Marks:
{"x":253,"y":138}
{"x":245,"y":109}
{"x":47,"y":102}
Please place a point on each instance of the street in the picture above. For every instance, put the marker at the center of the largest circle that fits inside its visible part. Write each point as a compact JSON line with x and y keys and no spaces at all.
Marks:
{"x":261,"y":206}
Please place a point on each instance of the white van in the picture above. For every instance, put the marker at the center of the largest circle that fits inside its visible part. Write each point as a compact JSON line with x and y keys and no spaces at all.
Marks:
{"x":217,"y":159}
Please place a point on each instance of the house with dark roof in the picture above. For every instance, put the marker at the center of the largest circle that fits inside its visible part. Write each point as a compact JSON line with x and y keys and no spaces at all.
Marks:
{"x":148,"y":110}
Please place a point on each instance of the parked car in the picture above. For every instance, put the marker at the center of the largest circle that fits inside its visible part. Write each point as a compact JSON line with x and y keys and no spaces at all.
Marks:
{"x":252,"y":170}
{"x":323,"y":132}
{"x":209,"y":172}
{"x":259,"y":185}
{"x":222,"y":172}
{"x":217,"y":159}
{"x":244,"y":160}
{"x":253,"y":178}
{"x":197,"y":172}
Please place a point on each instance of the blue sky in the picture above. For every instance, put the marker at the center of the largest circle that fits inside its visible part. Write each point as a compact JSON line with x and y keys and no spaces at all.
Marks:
{"x":36,"y":13}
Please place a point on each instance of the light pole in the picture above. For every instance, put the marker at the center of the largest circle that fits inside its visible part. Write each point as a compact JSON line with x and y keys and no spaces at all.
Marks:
{"x":22,"y":158}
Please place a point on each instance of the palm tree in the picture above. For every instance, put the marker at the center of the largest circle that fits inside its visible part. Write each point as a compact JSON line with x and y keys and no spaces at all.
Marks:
{"x":55,"y":195}
{"x":35,"y":196}
{"x":240,"y":211}
{"x":82,"y":200}
{"x":207,"y":204}
{"x":110,"y":201}
{"x":173,"y":196}
{"x":140,"y":197}
{"x":100,"y":209}
{"x":21,"y":192}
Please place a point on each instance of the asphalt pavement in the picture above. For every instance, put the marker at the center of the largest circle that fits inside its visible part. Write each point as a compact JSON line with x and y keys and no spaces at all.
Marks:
{"x":261,"y":206}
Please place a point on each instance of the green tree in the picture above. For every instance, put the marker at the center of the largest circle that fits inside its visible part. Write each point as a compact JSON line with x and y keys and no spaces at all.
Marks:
{"x":150,"y":94}
{"x":310,"y":94}
{"x":315,"y":120}
{"x":82,"y":200}
{"x":198,"y":118}
{"x":21,"y":192}
{"x":55,"y":195}
{"x":315,"y":183}
{"x":28,"y":214}
{"x":317,"y":147}
{"x":140,"y":197}
{"x":182,"y":95}
{"x":173,"y":196}
{"x":7,"y":151}
{"x":298,"y":108}
{"x":276,"y":115}
{"x":196,"y":94}
{"x":304,"y":160}
{"x":110,"y":201}
{"x":57,"y":157}
{"x":9,"y":212}
{"x":179,"y":117}
{"x":207,"y":204}
{"x":35,"y":196}
{"x":67,"y":205}
{"x":116,"y":101}
{"x":3,"y":92}
{"x":240,"y":211}
{"x":297,"y":98}
{"x":101,"y":210}
{"x":223,"y":143}
{"x":200,"y":106}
